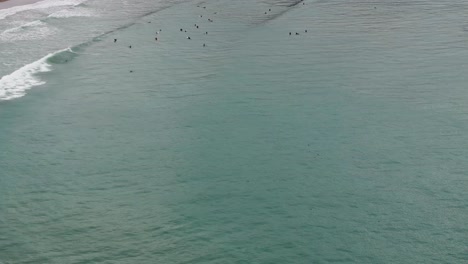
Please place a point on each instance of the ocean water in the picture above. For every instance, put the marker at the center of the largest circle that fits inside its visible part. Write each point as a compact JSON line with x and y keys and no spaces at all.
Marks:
{"x":343,"y":144}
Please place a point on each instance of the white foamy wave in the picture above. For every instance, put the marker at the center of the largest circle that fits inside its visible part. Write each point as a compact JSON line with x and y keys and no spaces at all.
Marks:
{"x":38,"y":5}
{"x":30,"y":31}
{"x":17,"y":83}
{"x":71,"y":13}
{"x":17,"y":29}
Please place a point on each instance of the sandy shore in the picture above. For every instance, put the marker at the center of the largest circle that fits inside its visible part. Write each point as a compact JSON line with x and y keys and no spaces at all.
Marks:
{"x":11,"y":3}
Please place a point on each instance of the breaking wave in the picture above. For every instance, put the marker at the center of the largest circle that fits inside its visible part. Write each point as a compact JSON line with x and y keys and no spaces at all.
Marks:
{"x":17,"y":83}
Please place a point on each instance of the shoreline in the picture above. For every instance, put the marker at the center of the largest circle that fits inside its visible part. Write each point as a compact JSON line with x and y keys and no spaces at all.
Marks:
{"x":5,"y":4}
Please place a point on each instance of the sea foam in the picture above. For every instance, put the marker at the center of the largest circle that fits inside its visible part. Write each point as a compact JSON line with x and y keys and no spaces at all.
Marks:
{"x":38,"y":5}
{"x":17,"y":83}
{"x":71,"y":13}
{"x":30,"y":31}
{"x":27,"y":25}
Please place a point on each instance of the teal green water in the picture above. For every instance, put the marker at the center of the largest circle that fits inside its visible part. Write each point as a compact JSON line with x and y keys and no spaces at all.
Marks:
{"x":345,"y":144}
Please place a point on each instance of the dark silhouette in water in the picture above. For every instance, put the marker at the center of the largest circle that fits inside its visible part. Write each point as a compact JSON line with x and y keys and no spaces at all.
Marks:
{"x":188,"y":38}
{"x":156,"y":39}
{"x":130,"y":46}
{"x":181,"y":30}
{"x":305,"y":31}
{"x":290,"y":33}
{"x":297,"y":33}
{"x":204,"y":45}
{"x":115,"y":40}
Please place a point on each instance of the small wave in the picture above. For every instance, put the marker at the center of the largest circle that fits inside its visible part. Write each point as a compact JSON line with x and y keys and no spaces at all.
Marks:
{"x":29,"y":31}
{"x":286,"y":3}
{"x":27,"y":25}
{"x":62,"y":56}
{"x":40,"y":28}
{"x":17,"y":83}
{"x":38,"y":5}
{"x":71,"y":13}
